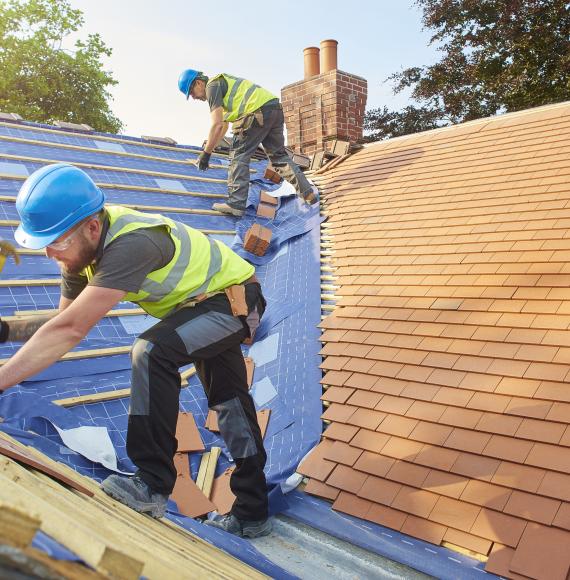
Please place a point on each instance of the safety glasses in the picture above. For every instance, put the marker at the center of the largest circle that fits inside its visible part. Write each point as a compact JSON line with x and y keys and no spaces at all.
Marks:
{"x":64,"y":244}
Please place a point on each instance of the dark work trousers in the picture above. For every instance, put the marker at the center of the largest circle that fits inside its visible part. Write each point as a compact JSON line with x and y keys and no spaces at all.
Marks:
{"x":245,"y":141}
{"x":209,"y":336}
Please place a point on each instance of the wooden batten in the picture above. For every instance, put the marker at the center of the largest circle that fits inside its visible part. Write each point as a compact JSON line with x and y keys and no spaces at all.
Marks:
{"x":115,"y":540}
{"x":17,"y":528}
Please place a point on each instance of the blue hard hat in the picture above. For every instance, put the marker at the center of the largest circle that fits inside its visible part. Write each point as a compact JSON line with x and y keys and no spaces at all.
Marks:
{"x":52,"y":200}
{"x":185,"y":80}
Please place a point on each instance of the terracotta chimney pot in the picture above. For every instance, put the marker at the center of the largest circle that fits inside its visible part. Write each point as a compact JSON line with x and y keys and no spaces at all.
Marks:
{"x":311,"y":58}
{"x":328,"y":55}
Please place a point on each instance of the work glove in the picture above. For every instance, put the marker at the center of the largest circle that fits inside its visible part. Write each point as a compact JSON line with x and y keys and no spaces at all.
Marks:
{"x":204,"y":161}
{"x":7,"y":249}
{"x":4,"y":331}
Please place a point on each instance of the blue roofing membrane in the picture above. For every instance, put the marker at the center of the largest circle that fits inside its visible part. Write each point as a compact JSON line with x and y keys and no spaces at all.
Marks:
{"x":287,"y":373}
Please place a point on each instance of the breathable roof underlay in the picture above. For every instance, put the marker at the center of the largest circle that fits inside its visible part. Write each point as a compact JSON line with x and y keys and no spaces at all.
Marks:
{"x":157,"y":178}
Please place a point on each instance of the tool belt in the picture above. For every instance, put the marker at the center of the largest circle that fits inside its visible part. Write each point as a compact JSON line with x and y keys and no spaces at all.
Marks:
{"x":235,"y":294}
{"x":238,"y":304}
{"x":244,"y":123}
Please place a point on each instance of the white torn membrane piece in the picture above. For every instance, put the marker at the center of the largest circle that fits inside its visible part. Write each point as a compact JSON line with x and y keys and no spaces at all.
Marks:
{"x":93,"y":443}
{"x":285,"y":190}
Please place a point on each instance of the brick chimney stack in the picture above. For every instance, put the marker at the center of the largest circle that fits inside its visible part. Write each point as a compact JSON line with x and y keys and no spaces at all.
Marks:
{"x":327,"y":104}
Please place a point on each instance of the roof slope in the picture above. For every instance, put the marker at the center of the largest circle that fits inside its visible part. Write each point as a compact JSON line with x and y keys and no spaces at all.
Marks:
{"x":448,"y":355}
{"x":92,"y":383}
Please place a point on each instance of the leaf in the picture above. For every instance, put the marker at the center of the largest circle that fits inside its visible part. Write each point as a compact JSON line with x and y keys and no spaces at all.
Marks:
{"x":41,"y":81}
{"x":497,"y":56}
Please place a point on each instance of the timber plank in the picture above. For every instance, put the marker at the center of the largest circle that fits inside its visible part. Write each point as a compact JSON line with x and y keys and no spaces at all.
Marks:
{"x":74,"y":534}
{"x":111,"y":395}
{"x":194,"y":557}
{"x":210,"y":471}
{"x":20,"y":454}
{"x":17,"y":528}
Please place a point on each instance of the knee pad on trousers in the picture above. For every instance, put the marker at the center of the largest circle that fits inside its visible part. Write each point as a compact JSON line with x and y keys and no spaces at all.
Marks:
{"x":140,"y":390}
{"x":235,"y":429}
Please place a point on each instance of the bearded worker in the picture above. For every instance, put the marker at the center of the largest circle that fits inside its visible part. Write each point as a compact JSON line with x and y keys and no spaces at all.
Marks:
{"x":207,"y":299}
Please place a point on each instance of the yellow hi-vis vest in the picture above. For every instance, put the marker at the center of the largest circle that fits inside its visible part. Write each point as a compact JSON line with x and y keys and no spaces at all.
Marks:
{"x":199,"y":265}
{"x":242,"y":97}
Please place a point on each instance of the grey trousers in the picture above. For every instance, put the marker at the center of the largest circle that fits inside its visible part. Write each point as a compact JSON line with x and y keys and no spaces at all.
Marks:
{"x":246,"y":140}
{"x":209,"y":335}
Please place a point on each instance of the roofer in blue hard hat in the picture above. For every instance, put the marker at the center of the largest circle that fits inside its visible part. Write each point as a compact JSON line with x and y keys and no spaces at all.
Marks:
{"x":257,"y":119}
{"x":207,"y":299}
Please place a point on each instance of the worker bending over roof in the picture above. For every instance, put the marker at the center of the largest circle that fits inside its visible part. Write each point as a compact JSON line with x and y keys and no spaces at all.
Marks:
{"x":257,"y":118}
{"x":181,"y":277}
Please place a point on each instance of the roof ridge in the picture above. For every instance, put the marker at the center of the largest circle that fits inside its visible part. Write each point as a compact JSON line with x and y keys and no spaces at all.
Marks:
{"x":491,"y":119}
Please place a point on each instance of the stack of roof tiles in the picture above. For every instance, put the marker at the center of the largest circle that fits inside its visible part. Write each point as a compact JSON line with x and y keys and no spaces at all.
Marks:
{"x":447,"y":359}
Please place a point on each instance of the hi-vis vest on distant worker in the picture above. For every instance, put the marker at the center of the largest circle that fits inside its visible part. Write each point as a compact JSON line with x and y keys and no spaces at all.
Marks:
{"x":199,"y":265}
{"x":242,"y":97}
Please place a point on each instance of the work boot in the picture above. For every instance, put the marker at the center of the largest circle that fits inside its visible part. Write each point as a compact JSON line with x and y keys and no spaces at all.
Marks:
{"x":312,"y":196}
{"x":241,"y":528}
{"x":135,"y":493}
{"x":227,"y":209}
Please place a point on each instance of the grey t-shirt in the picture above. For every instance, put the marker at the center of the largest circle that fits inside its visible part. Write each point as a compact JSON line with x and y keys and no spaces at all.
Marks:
{"x":215,"y":91}
{"x":125,"y":262}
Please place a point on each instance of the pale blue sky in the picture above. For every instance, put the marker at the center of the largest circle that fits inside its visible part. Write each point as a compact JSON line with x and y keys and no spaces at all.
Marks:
{"x":154,"y":41}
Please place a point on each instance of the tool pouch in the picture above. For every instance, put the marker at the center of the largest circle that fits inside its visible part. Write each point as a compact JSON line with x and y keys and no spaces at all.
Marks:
{"x":236,"y":297}
{"x":240,"y":126}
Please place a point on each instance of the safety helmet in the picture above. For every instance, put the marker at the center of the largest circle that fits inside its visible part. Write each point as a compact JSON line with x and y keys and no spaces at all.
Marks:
{"x":52,"y":200}
{"x":185,"y":80}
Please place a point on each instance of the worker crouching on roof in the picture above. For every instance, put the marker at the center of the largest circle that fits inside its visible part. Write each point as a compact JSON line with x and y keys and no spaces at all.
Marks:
{"x":257,"y":118}
{"x":180,"y":276}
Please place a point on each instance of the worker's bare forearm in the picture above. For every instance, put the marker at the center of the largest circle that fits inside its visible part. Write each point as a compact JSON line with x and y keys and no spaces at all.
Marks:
{"x":45,"y":347}
{"x":217,"y":131}
{"x":222,"y":133}
{"x":23,"y":329}
{"x":60,"y":333}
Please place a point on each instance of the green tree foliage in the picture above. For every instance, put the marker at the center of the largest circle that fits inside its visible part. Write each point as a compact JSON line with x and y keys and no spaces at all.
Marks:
{"x":43,"y":82}
{"x":382,"y":123}
{"x":497,"y":56}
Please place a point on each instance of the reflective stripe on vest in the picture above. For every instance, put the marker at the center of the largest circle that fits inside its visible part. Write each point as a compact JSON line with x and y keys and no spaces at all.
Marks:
{"x":242,"y":97}
{"x":199,"y":264}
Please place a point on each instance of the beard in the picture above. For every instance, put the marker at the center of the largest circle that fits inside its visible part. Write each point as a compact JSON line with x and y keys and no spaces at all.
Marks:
{"x":85,"y":257}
